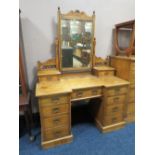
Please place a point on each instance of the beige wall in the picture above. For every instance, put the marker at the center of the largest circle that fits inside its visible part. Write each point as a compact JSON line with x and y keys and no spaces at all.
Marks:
{"x":39,"y":25}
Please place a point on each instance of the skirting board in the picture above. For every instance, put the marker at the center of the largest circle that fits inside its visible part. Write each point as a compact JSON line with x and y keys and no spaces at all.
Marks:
{"x":110,"y":127}
{"x":55,"y":142}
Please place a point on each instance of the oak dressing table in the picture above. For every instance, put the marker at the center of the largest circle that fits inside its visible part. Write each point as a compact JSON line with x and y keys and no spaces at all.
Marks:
{"x":79,"y":79}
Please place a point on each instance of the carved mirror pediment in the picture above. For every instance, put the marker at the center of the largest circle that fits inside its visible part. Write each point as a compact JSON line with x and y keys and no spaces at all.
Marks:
{"x":75,"y":35}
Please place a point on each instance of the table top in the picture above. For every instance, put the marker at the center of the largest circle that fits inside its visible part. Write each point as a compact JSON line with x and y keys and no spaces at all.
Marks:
{"x":48,"y":72}
{"x":67,"y":85}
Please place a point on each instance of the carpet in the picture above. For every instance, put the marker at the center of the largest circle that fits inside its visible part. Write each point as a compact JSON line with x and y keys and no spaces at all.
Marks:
{"x":88,"y":140}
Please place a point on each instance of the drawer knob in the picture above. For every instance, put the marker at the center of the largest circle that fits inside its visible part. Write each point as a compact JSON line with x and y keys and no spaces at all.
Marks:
{"x":55,"y":110}
{"x":55,"y":99}
{"x":117,"y":90}
{"x":79,"y":94}
{"x":57,"y":133}
{"x":94,"y":92}
{"x":116,"y":99}
{"x":115,"y":109}
{"x":56,"y":120}
{"x":114,"y":119}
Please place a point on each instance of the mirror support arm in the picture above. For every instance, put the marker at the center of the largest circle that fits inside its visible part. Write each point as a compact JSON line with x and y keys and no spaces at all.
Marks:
{"x":57,"y":53}
{"x":94,"y":46}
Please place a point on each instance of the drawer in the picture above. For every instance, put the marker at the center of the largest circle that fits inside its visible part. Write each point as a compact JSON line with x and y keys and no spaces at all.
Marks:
{"x":130,"y":117}
{"x":55,"y":133}
{"x":53,"y":122}
{"x":131,"y":108}
{"x":132,"y":93}
{"x":109,"y":120}
{"x":48,"y":111}
{"x":132,"y":86}
{"x":132,"y":73}
{"x":56,"y":99}
{"x":103,"y":73}
{"x":113,"y":109}
{"x":86,"y":93}
{"x":132,"y":77}
{"x":132,"y":66}
{"x":116,"y":91}
{"x":131,"y":99}
{"x":48,"y":78}
{"x":121,"y":99}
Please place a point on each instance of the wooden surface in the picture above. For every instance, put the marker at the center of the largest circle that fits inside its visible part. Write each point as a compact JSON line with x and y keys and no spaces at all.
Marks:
{"x":47,"y":72}
{"x":102,"y":68}
{"x":50,"y":63}
{"x":70,"y":84}
{"x":55,"y":104}
{"x":127,"y":24}
{"x":55,"y":142}
{"x":48,"y":75}
{"x":125,"y":68}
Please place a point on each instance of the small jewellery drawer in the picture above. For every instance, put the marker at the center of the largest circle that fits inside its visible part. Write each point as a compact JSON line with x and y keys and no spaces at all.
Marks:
{"x":56,"y":99}
{"x":116,"y":91}
{"x":109,"y":120}
{"x":82,"y":93}
{"x":48,"y":78}
{"x":52,"y":122}
{"x":55,"y":133}
{"x":113,"y":109}
{"x":103,"y":73}
{"x":48,"y":111}
{"x":116,"y":99}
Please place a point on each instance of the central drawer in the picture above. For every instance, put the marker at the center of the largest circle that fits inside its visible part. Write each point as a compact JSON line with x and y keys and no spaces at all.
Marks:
{"x":84,"y":93}
{"x":55,"y":133}
{"x":120,"y":99}
{"x":116,"y":91}
{"x":53,"y":122}
{"x":51,"y":110}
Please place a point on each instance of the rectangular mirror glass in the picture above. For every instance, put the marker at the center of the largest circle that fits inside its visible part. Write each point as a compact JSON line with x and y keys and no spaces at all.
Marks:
{"x":76,"y":44}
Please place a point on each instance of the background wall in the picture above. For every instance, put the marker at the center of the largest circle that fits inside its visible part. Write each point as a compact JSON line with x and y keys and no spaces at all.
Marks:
{"x":39,"y":26}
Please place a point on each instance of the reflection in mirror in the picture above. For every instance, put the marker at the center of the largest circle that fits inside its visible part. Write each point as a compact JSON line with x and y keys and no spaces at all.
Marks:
{"x":76,"y":43}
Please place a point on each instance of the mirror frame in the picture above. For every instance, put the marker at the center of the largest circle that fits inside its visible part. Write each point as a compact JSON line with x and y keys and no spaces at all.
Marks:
{"x":77,"y":15}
